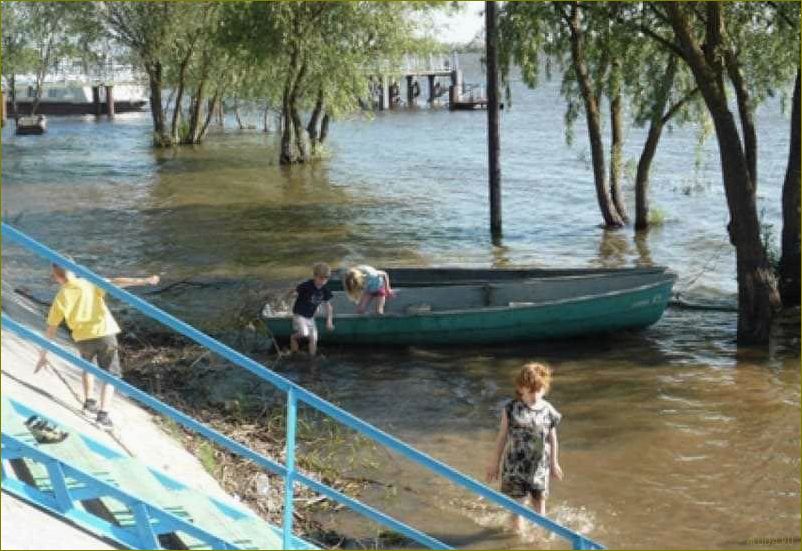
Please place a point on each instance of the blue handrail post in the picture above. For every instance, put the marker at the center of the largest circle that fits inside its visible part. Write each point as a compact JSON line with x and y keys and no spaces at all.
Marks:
{"x":292,"y":410}
{"x":581,"y":543}
{"x":59,"y":483}
{"x":143,"y":527}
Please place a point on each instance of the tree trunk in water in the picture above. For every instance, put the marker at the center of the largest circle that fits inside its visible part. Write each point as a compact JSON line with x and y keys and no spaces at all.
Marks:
{"x":211,"y":109}
{"x":757,"y":291}
{"x":160,"y":137}
{"x":650,"y":147}
{"x":302,"y":154}
{"x":179,"y":96}
{"x":286,"y":156}
{"x":790,"y":261}
{"x":608,"y":211}
{"x":745,"y":112}
{"x":314,"y":120}
{"x":300,"y":141}
{"x":642,"y":177}
{"x":221,"y":114}
{"x":193,"y":134}
{"x":616,"y":161}
{"x":237,"y":115}
{"x":266,"y":120}
{"x":324,"y":128}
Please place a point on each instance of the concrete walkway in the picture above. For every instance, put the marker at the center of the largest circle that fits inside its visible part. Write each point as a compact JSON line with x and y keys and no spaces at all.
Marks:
{"x":44,"y":531}
{"x":58,"y":395}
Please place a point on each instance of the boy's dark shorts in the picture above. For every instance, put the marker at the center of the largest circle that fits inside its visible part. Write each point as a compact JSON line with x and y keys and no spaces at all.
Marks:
{"x":105,"y":349}
{"x":519,"y":489}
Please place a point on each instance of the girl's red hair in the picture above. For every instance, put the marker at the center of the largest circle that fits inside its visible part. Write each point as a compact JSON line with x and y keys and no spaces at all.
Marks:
{"x":533,"y":377}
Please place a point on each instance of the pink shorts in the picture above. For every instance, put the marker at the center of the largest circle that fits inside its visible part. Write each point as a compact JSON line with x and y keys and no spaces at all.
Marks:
{"x":383,"y":292}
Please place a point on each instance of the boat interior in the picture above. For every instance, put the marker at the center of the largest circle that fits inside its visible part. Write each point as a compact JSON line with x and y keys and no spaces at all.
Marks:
{"x":423,"y":300}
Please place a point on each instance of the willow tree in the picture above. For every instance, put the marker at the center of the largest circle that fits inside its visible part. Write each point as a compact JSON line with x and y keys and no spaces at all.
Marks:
{"x":584,"y":45}
{"x":658,"y":89}
{"x":175,"y":44}
{"x":722,"y":45}
{"x":205,"y":72}
{"x":321,"y":54}
{"x":665,"y":93}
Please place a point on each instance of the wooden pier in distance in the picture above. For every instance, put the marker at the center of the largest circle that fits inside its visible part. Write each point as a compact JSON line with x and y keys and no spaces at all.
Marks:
{"x":386,"y":91}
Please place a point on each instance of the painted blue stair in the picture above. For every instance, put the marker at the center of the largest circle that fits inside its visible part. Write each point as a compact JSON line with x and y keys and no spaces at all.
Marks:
{"x":218,"y":521}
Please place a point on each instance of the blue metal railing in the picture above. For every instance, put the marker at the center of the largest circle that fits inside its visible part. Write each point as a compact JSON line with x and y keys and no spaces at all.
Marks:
{"x":228,"y":443}
{"x":295,"y":393}
{"x":63,"y":500}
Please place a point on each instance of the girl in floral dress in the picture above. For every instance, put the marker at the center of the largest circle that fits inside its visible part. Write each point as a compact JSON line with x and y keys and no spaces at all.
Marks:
{"x":527,"y":441}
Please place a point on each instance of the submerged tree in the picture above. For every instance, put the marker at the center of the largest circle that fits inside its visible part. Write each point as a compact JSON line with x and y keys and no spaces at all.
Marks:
{"x":713,"y":39}
{"x":175,"y":44}
{"x":658,"y":89}
{"x":321,"y":54}
{"x":584,"y":46}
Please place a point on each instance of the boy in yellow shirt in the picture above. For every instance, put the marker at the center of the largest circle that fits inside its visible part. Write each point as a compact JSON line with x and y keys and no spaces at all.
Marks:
{"x":83,"y":307}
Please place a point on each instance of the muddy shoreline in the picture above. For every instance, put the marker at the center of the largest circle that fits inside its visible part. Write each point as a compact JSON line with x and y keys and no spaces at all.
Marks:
{"x":251,"y":411}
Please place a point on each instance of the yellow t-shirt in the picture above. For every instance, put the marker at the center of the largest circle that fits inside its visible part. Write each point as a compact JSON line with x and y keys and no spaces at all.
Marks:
{"x":84,"y":308}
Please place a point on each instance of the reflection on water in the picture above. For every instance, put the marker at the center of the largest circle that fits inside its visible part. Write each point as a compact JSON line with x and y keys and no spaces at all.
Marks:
{"x":613,"y":248}
{"x":671,"y":438}
{"x":642,"y":246}
{"x":662,"y":435}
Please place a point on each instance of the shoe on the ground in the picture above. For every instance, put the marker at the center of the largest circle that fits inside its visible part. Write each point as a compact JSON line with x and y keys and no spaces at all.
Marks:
{"x":90,"y":408}
{"x":45,"y":432}
{"x":104,"y":420}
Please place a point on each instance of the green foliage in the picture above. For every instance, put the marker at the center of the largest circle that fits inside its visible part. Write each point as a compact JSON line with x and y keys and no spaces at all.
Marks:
{"x":339,"y":43}
{"x":206,"y":455}
{"x":765,"y":38}
{"x":36,"y":36}
{"x":299,"y":52}
{"x":657,"y":217}
{"x":768,"y":237}
{"x":171,"y":427}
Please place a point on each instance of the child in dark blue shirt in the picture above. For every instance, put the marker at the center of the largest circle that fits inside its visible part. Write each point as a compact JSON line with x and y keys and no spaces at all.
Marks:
{"x":310,"y":295}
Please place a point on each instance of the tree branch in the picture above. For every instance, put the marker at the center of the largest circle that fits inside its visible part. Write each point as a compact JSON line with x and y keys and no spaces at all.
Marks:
{"x":677,"y":106}
{"x":640,"y":27}
{"x":782,"y":14}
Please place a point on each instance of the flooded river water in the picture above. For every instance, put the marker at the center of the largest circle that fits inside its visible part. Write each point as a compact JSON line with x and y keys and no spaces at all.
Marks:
{"x":671,"y":437}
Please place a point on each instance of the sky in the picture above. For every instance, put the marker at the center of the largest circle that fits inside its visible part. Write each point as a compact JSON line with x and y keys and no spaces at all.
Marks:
{"x":462,"y":26}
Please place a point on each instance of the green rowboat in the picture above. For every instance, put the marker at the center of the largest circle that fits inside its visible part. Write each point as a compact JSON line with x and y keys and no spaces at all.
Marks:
{"x":519,"y":311}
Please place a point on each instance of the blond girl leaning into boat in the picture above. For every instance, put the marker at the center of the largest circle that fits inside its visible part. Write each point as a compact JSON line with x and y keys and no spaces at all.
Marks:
{"x":365,"y":283}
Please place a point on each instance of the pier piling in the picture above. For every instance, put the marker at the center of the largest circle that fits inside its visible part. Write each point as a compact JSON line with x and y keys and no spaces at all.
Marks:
{"x":110,"y":101}
{"x":384,"y":101}
{"x":96,"y":100}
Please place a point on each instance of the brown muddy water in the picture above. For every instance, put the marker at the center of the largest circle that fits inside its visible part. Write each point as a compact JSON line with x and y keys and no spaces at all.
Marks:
{"x":671,"y":437}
